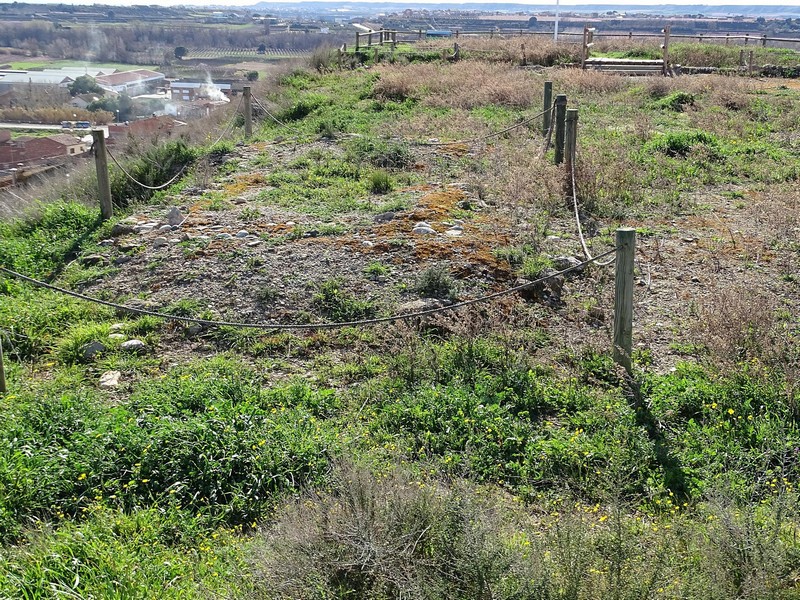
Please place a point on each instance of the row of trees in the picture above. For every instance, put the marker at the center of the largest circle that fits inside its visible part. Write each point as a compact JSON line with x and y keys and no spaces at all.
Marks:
{"x":131,"y":43}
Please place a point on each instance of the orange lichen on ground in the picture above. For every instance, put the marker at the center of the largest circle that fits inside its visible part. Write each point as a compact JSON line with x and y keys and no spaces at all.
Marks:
{"x":245,"y":181}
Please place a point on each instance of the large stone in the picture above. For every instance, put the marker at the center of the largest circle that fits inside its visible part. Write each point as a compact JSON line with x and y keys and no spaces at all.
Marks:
{"x":122,"y":228}
{"x":160,"y":241}
{"x":110,"y":379}
{"x":134,"y":346}
{"x":174,"y":216}
{"x":385,"y":217}
{"x":566,"y":262}
{"x":92,"y":350}
{"x":93,"y":259}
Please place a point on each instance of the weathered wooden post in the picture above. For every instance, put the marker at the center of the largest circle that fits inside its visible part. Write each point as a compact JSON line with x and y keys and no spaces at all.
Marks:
{"x":358,"y":38}
{"x":665,"y":51}
{"x":746,"y":39}
{"x":561,"y":114}
{"x":369,"y":39}
{"x":570,"y":139}
{"x":548,"y":106}
{"x":623,"y":297}
{"x":727,"y":39}
{"x":750,"y":64}
{"x":103,"y":180}
{"x":248,"y":112}
{"x":764,"y":41}
{"x":3,"y":388}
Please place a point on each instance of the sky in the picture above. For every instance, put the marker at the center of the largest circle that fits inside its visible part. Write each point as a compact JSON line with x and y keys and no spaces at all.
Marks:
{"x":244,"y":3}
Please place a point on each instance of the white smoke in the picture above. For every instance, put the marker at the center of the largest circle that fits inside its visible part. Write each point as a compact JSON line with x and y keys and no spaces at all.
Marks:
{"x":213,"y":92}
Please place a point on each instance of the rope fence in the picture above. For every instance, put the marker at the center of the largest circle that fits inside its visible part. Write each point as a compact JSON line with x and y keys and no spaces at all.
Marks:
{"x":303,"y":326}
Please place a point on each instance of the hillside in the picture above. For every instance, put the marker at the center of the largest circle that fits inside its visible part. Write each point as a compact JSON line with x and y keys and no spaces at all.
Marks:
{"x":491,"y":449}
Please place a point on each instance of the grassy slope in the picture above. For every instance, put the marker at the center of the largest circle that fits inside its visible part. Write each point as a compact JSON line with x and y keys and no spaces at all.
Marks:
{"x":520,"y":476}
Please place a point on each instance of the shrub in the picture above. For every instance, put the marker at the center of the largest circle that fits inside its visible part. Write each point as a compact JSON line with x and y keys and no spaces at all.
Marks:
{"x":436,"y":282}
{"x":680,"y":143}
{"x":676,"y":101}
{"x":339,"y":305}
{"x":379,"y":182}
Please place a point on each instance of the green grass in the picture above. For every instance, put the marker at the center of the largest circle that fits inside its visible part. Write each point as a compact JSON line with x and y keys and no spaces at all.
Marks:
{"x":478,"y":457}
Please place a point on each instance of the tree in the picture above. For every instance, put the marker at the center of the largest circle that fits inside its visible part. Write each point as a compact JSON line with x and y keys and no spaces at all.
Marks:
{"x":252,"y":76}
{"x":84,"y":84}
{"x":262,"y":48}
{"x":532,"y":22}
{"x":180,"y":52}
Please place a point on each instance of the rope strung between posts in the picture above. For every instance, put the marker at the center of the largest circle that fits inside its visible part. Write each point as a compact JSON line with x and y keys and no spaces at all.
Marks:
{"x":550,"y":130}
{"x":578,"y":221}
{"x":230,"y":123}
{"x":139,"y":183}
{"x":304,"y":326}
{"x":269,"y":114}
{"x":486,"y":137}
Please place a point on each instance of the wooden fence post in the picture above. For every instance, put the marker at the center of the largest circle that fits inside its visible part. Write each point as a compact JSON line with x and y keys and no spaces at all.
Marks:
{"x":750,"y":64}
{"x":561,"y":114}
{"x":764,"y":41}
{"x":3,"y":388}
{"x":548,"y":106}
{"x":248,"y":111}
{"x":103,"y":181}
{"x":665,"y":50}
{"x":623,"y":297}
{"x":358,"y":38}
{"x":570,"y":140}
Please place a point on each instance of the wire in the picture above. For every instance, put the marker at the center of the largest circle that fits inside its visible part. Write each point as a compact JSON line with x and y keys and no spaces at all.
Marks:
{"x":302,"y":326}
{"x":550,"y":130}
{"x":486,"y":137}
{"x":144,"y":185}
{"x":230,"y":123}
{"x":269,"y":114}
{"x":578,"y":220}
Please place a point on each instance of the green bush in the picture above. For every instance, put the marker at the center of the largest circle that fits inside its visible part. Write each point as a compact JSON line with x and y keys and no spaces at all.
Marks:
{"x":379,"y":182}
{"x":436,"y":282}
{"x":680,"y":143}
{"x":339,"y":305}
{"x":677,"y":101}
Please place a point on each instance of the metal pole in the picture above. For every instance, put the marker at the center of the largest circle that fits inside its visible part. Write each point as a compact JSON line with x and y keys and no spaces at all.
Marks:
{"x":103,"y":181}
{"x":548,"y":106}
{"x":623,"y":297}
{"x":561,"y":113}
{"x":248,"y":112}
{"x":555,"y":30}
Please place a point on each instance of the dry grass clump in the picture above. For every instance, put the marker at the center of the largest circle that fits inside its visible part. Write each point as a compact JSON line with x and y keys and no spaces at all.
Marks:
{"x":607,"y":180}
{"x":518,"y":178}
{"x":467,"y":84}
{"x":739,"y":325}
{"x":578,"y":81}
{"x":457,"y":124}
{"x":537,"y":50}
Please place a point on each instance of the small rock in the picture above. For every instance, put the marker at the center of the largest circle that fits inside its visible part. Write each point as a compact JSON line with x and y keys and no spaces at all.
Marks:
{"x":110,"y":379}
{"x":174,"y":216}
{"x":93,"y":259}
{"x":121,"y":260}
{"x":695,"y":279}
{"x":134,"y":346}
{"x":367,"y":244}
{"x":242,"y":234}
{"x":92,"y":349}
{"x":128,"y":247}
{"x":552,"y":238}
{"x":597,"y":314}
{"x":566,"y":262}
{"x":217,"y":227}
{"x":253,"y":243}
{"x":165,"y":228}
{"x":116,"y":336}
{"x":159,"y":242}
{"x":423,"y":230}
{"x":120,"y":229}
{"x":290,"y":223}
{"x":143,"y":229}
{"x":117,"y":327}
{"x":464,"y":205}
{"x":223,"y":236}
{"x":204,"y":238}
{"x":105,"y":243}
{"x":185,"y":237}
{"x":194,"y":328}
{"x":454,"y":232}
{"x":385,"y":217}
{"x":239,"y":201}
